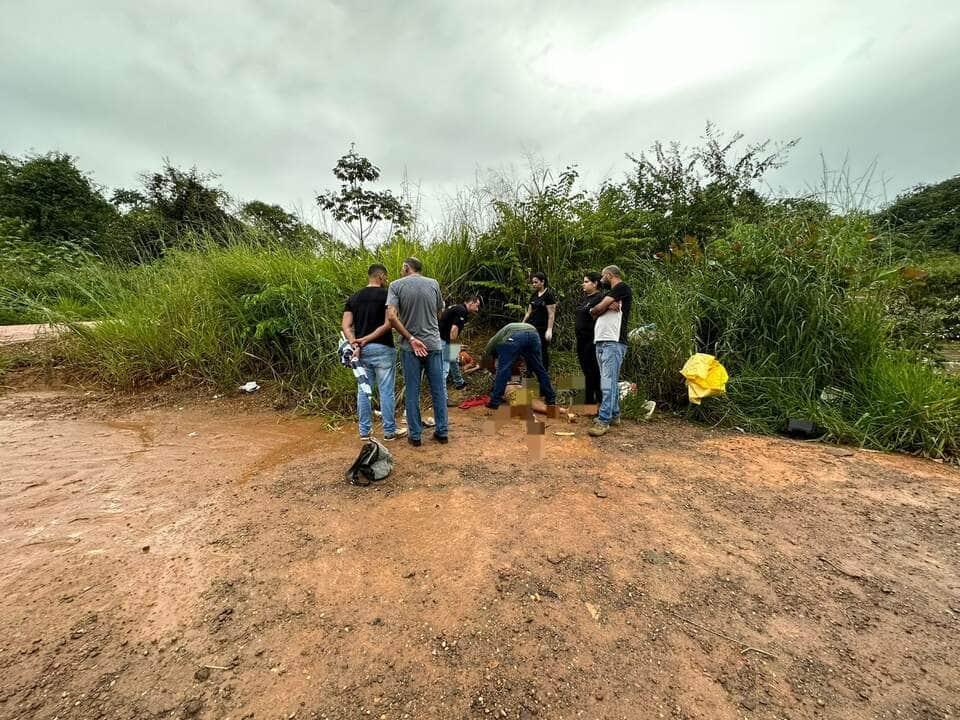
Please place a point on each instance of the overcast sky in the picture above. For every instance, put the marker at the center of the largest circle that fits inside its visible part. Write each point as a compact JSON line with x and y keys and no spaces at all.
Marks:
{"x":269,"y":94}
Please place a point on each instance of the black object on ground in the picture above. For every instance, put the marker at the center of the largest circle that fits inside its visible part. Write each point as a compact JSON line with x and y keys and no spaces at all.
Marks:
{"x":801,"y":428}
{"x":373,"y":463}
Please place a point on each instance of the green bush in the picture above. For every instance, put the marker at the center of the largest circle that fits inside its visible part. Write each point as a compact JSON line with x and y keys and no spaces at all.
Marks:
{"x":797,"y":314}
{"x":37,"y":285}
{"x":228,"y":314}
{"x":927,"y":217}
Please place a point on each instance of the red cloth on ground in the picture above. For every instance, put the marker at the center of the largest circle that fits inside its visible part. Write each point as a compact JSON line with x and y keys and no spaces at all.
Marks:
{"x":474,"y":402}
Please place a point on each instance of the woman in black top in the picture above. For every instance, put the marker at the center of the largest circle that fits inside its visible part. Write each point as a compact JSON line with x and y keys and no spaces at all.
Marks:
{"x":541,"y":312}
{"x":586,"y":352}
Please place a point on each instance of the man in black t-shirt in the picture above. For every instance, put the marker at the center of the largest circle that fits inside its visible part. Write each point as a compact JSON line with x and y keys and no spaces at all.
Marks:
{"x":366,"y":326}
{"x":541,"y":312}
{"x":610,"y":337}
{"x":451,"y":325}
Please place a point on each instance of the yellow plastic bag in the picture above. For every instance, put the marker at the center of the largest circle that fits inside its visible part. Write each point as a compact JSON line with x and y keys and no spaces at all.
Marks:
{"x":705,"y":377}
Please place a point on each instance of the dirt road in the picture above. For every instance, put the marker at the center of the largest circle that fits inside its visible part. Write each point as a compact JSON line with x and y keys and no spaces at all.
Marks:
{"x":19,"y":334}
{"x":208,"y":561}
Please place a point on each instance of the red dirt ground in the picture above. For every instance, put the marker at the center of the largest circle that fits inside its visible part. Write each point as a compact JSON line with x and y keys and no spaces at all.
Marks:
{"x":207,"y":560}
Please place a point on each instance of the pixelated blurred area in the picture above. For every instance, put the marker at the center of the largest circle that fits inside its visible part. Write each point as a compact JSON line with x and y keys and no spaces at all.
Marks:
{"x":523,"y":404}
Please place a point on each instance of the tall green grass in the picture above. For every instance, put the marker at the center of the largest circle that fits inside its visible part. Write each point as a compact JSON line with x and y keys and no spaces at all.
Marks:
{"x":796,"y":312}
{"x":794,"y":307}
{"x":224,"y":315}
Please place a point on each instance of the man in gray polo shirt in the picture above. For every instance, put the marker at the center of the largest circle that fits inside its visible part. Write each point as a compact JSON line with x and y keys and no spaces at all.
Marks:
{"x":413,"y":305}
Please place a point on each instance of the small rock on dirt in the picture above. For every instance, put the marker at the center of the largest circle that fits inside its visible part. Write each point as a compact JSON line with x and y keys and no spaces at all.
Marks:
{"x":839,"y":451}
{"x":599,"y":493}
{"x":193,"y":707}
{"x":654,"y":558}
{"x":201,"y":674}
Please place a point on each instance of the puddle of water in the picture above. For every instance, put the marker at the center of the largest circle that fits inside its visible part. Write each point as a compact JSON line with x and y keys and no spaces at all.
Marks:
{"x":140,"y":429}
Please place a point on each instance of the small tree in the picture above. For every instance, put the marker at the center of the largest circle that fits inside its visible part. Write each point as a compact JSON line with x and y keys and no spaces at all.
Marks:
{"x":355,"y":204}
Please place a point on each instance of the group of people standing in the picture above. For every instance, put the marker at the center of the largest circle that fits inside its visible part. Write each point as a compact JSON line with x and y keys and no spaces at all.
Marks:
{"x":413,"y":307}
{"x":601,"y":326}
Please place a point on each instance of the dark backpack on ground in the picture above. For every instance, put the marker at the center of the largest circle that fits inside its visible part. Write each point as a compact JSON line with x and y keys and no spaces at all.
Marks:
{"x":373,"y":463}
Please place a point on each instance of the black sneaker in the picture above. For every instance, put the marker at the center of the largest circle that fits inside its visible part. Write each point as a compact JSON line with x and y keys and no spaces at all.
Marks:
{"x":460,"y":387}
{"x":414,"y":441}
{"x":442,"y":439}
{"x":488,"y":406}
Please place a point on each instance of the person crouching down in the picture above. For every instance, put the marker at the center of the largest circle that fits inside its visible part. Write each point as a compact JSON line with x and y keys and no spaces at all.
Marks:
{"x":515,"y":340}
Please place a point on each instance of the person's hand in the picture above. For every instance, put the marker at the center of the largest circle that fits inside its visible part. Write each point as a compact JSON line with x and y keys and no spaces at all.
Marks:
{"x":362,"y":342}
{"x":615,"y":306}
{"x":356,"y":350}
{"x":419,"y":349}
{"x":548,"y":335}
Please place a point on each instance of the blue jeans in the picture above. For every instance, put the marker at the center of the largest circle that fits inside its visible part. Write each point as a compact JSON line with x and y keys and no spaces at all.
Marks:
{"x":452,"y":367}
{"x":527,"y":344}
{"x":413,"y":366}
{"x":609,"y":358}
{"x":380,"y":362}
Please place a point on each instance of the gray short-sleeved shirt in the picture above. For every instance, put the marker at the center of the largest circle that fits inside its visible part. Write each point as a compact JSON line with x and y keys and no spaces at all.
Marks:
{"x":418,"y":300}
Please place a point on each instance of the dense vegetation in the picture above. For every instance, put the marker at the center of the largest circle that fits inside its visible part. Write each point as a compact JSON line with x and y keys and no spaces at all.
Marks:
{"x":836,"y":317}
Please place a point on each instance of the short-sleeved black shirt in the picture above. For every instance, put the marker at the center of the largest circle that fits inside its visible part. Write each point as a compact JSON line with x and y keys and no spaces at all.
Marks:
{"x":455,"y":315}
{"x":584,"y":321}
{"x":369,"y":308}
{"x":538,"y":318}
{"x":623,"y":294}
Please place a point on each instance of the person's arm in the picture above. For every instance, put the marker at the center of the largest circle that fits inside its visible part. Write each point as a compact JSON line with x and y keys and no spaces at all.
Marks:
{"x":551,"y":314}
{"x":375,"y":333}
{"x":528,"y":313}
{"x":488,"y":361}
{"x":454,"y":332}
{"x":601,"y":307}
{"x":419,"y":349}
{"x":347,"y":326}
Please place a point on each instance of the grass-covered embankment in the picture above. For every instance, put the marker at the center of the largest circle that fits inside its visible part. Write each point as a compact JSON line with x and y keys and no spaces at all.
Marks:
{"x":797,"y":310}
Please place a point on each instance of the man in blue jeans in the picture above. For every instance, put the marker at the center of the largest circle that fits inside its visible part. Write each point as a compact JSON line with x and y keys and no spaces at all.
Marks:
{"x":413,"y":306}
{"x":610,"y":339}
{"x":511,"y":341}
{"x":366,"y":326}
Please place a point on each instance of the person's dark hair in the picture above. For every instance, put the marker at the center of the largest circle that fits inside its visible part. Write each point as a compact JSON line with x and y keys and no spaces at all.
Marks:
{"x":414,"y":264}
{"x":376,"y":269}
{"x":539,"y":276}
{"x":471,"y":298}
{"x":593,"y":277}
